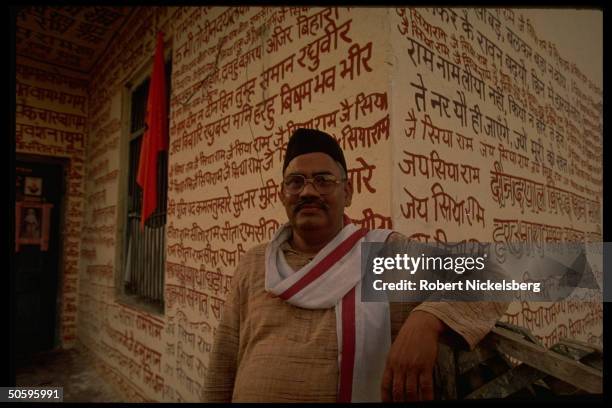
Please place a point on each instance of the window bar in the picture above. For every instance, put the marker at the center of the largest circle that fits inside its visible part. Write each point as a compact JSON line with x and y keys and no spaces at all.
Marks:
{"x":145,"y":260}
{"x":157,"y":266}
{"x":147,"y":271}
{"x":130,"y":229}
{"x":156,"y":224}
{"x":151,"y":259}
{"x":152,"y":256}
{"x":163,"y":268}
{"x":137,"y":262}
{"x":134,"y":255}
{"x":153,"y":273}
{"x":128,"y":283}
{"x":154,"y":268}
{"x":136,"y":258}
{"x":145,"y":268}
{"x":140,"y":259}
{"x":163,"y":229}
{"x":163,"y":277}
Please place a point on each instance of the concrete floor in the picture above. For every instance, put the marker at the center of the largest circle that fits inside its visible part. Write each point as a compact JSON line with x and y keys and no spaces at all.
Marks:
{"x":71,"y":369}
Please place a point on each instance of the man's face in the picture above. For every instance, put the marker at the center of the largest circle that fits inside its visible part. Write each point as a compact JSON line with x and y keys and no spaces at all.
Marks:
{"x":310,"y":210}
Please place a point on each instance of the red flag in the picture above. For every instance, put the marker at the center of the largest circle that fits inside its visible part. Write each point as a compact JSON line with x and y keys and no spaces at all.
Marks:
{"x":155,"y":138}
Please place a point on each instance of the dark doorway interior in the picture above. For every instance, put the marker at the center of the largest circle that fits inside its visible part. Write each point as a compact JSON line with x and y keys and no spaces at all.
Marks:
{"x":39,"y":196}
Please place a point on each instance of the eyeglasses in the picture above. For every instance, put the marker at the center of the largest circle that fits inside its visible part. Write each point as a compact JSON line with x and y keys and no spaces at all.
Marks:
{"x":323,"y":183}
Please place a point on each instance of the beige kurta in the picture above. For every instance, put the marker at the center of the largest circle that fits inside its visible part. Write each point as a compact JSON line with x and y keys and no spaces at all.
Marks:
{"x":266,"y":350}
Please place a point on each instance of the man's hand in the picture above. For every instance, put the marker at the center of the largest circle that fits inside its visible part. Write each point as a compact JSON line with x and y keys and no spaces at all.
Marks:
{"x":408,"y":374}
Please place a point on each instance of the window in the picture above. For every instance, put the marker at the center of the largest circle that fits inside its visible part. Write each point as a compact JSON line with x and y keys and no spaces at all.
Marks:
{"x":144,"y":249}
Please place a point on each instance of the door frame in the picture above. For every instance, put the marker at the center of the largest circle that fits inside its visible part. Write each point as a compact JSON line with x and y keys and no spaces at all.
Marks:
{"x":64,"y":163}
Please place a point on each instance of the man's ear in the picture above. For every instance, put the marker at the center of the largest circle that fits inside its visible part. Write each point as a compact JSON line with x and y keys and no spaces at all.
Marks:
{"x":348,"y":193}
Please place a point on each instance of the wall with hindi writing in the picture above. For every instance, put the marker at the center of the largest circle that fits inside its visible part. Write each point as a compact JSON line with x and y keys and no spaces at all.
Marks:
{"x":243,"y":78}
{"x":51,"y":120}
{"x":499,"y":138}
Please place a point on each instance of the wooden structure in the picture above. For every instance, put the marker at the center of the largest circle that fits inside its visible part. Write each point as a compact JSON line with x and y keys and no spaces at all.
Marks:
{"x":511,"y":363}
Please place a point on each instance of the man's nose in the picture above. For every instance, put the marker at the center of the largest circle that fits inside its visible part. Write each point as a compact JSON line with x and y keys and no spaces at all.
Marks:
{"x":309,"y":190}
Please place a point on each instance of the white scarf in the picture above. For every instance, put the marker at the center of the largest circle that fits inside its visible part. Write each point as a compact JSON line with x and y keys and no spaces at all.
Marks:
{"x":333,"y":279}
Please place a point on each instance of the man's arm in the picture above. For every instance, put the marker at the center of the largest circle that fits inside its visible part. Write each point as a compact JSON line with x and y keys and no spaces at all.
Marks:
{"x":408,"y":373}
{"x":223,"y":363}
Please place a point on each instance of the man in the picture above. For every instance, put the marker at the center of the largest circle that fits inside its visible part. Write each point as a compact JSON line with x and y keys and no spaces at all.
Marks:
{"x":293,"y":327}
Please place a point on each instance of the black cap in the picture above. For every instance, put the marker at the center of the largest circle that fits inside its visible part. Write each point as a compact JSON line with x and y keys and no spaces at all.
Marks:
{"x":304,"y":141}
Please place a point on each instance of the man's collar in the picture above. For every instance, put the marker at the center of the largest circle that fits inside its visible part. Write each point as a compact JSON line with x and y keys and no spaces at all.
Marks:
{"x":287,"y":248}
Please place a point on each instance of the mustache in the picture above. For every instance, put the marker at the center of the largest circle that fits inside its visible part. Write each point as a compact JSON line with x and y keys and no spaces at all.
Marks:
{"x":309,"y":201}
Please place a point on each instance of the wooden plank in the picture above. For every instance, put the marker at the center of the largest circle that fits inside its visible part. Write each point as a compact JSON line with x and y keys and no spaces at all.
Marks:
{"x":564,"y":368}
{"x":519,"y":330}
{"x":579,"y":351}
{"x":508,"y":383}
{"x":562,"y":388}
{"x":466,"y":360}
{"x":580,"y":345}
{"x":570,"y":351}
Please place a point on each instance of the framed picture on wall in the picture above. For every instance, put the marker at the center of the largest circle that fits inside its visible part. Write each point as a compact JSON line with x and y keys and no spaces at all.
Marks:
{"x":32,"y":224}
{"x":33,"y":186}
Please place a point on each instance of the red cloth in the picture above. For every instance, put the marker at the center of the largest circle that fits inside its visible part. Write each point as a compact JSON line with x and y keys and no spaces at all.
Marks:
{"x":155,"y":138}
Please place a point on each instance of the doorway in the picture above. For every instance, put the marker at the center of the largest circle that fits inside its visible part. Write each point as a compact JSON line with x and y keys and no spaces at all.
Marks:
{"x":39,"y":192}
